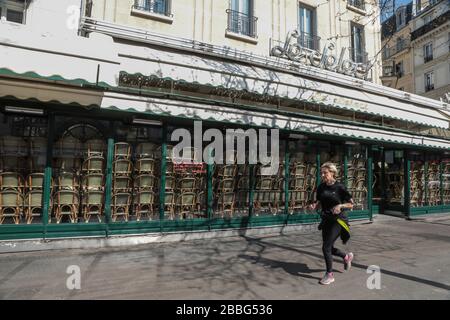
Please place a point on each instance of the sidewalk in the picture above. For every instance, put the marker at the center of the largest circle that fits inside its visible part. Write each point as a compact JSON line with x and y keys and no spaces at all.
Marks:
{"x":414,"y":257}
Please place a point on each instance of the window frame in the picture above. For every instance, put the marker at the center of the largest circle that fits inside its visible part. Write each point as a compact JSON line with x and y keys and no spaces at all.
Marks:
{"x":7,"y":5}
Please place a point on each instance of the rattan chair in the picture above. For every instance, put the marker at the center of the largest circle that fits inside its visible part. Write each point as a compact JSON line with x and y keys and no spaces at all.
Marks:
{"x":298,"y":199}
{"x":121,"y":184}
{"x":144,"y":202}
{"x":145,"y":165}
{"x":122,"y":167}
{"x":11,"y":181}
{"x":225,"y":185}
{"x":68,"y":147}
{"x":66,"y":203}
{"x":146,"y":150}
{"x":144,"y":182}
{"x":122,"y":150}
{"x":33,"y":205}
{"x":225,"y":203}
{"x":35,"y":181}
{"x":226,"y":170}
{"x":298,"y":182}
{"x":120,"y":205}
{"x":11,"y":203}
{"x":93,"y":165}
{"x":186,"y":205}
{"x":92,"y":205}
{"x":67,"y":181}
{"x":187,"y":184}
{"x":95,"y":148}
{"x":92,"y":181}
{"x":169,"y":205}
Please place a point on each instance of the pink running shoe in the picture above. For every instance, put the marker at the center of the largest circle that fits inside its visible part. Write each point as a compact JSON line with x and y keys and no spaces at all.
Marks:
{"x":348,"y":261}
{"x":327,"y":278}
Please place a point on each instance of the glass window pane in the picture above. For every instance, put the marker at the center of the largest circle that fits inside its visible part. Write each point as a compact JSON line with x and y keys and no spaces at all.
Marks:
{"x":14,"y":16}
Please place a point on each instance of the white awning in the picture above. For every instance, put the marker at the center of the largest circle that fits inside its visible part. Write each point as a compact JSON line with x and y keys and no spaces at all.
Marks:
{"x":230,"y":75}
{"x":196,"y":111}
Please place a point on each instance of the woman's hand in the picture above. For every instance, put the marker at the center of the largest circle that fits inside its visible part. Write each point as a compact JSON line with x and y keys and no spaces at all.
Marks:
{"x":337,"y":209}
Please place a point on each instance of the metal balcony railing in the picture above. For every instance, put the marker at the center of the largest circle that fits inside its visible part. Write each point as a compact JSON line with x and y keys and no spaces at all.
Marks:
{"x":309,"y":41}
{"x":427,"y":58}
{"x":360,"y":4}
{"x":162,"y":7}
{"x":358,"y":56}
{"x":241,"y":23}
{"x":429,"y":87}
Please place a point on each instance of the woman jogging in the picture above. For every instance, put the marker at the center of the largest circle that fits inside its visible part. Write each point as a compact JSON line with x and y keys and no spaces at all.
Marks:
{"x":333,"y":197}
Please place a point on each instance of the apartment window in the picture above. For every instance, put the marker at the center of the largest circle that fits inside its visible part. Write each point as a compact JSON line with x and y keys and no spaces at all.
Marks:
{"x":357,"y":49}
{"x":161,"y":7}
{"x":427,"y":52}
{"x":427,"y":18}
{"x":357,"y":4}
{"x":429,"y":84}
{"x":241,"y":19}
{"x":13,"y":10}
{"x":307,"y":28}
{"x":401,"y":17}
{"x":399,"y":69}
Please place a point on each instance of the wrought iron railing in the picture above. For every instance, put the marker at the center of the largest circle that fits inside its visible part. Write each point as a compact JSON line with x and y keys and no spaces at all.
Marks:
{"x":429,"y":87}
{"x":309,"y":41}
{"x":162,"y":7}
{"x":427,"y":58}
{"x":360,"y":4}
{"x":433,"y":24}
{"x":358,"y":56}
{"x":241,"y":23}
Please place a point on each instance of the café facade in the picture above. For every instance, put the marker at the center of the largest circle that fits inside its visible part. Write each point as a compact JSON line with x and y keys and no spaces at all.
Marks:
{"x":88,"y":124}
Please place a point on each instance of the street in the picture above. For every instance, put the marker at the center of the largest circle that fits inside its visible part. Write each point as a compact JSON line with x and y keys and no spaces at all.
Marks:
{"x":413,"y":256}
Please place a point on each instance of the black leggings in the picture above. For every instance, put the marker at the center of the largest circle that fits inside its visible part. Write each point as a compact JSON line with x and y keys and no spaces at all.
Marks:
{"x":330,"y":233}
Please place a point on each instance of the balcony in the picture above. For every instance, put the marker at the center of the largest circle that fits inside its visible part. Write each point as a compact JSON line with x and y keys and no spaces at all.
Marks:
{"x":427,"y":58}
{"x":240,"y":23}
{"x":157,"y":9}
{"x":429,"y":87}
{"x":358,"y":56}
{"x":358,"y":4}
{"x":309,"y":41}
{"x":443,"y":18}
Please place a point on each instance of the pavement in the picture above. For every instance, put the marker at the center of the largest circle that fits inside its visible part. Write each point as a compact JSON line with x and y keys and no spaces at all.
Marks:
{"x":413,"y":259}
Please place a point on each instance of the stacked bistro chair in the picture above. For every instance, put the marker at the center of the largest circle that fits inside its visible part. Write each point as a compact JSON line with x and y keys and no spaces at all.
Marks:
{"x":33,"y":198}
{"x":446,"y":185}
{"x":144,"y":181}
{"x":11,"y":196}
{"x":224,"y":182}
{"x":356,"y":182}
{"x":14,"y":151}
{"x":93,"y":179}
{"x":416,"y":184}
{"x":301,"y":183}
{"x":434,"y":193}
{"x":68,"y":155}
{"x":266,"y":190}
{"x":169,"y":185}
{"x":242,"y":188}
{"x":189,"y":183}
{"x":122,"y":169}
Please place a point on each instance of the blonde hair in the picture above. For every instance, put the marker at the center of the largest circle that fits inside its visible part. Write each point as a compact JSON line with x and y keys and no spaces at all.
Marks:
{"x":331,"y":167}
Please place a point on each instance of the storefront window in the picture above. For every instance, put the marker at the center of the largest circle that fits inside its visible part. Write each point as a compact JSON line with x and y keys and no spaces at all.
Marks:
{"x":446,"y":180}
{"x":357,"y":182}
{"x":269,"y":186}
{"x":417,"y":179}
{"x":23,"y":148}
{"x":302,"y":174}
{"x":394,"y":177}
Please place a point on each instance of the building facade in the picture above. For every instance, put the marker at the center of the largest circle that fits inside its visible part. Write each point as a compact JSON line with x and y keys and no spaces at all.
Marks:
{"x":430,"y":39}
{"x":95,"y":96}
{"x":397,"y":52}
